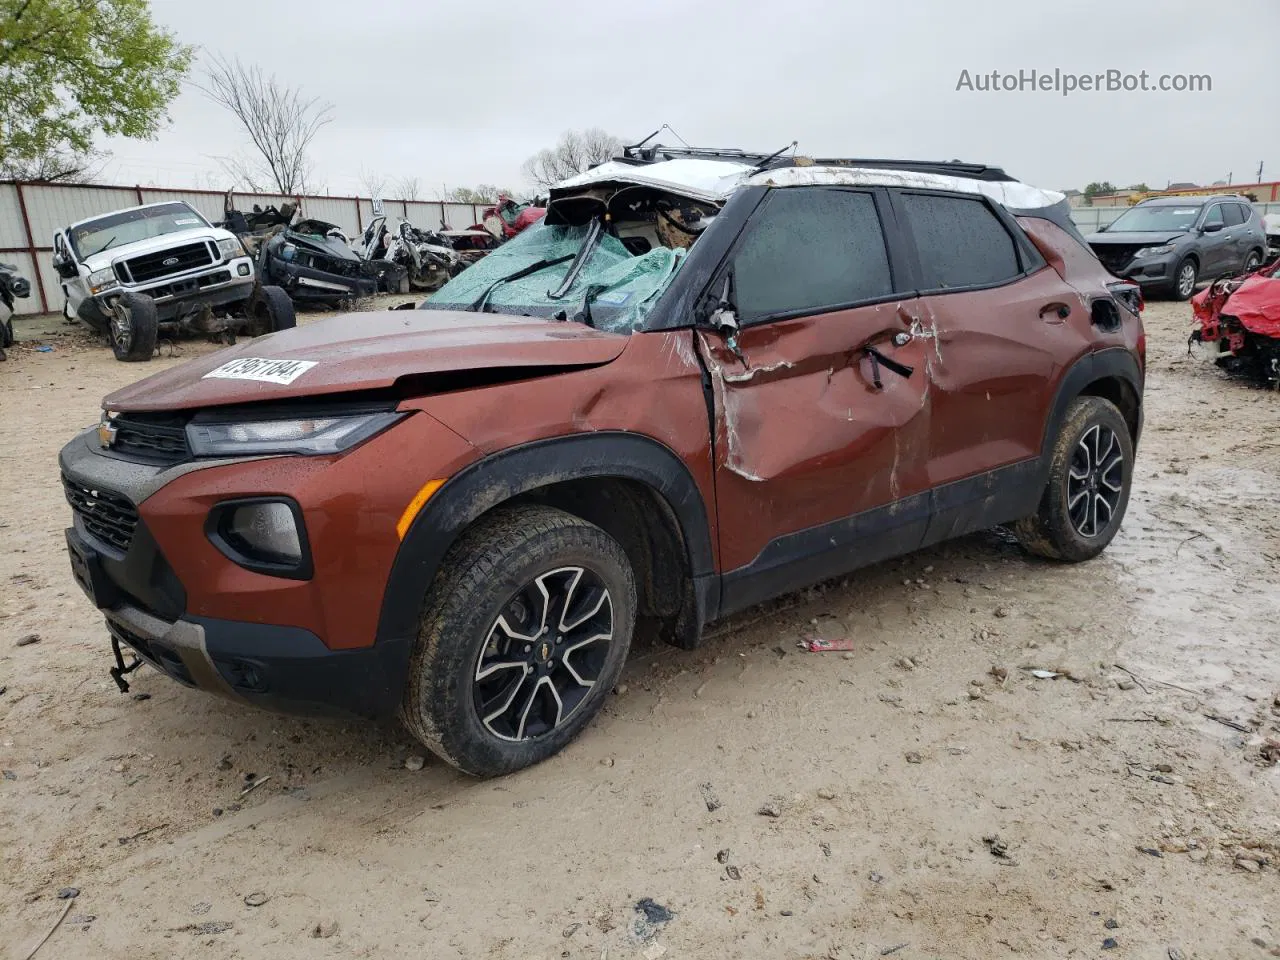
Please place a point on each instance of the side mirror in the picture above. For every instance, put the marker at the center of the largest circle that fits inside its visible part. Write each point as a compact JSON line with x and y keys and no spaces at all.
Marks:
{"x":724,"y":320}
{"x":1211,"y":227}
{"x":1103,"y":228}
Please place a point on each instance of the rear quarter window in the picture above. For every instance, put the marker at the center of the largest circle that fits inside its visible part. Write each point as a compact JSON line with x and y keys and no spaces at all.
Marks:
{"x":960,"y":242}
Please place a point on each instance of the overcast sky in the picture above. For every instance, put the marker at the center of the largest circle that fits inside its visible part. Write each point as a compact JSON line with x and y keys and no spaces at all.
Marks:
{"x":461,"y":93}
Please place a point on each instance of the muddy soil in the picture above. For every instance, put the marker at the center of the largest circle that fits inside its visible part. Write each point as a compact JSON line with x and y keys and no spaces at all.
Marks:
{"x":924,"y":794}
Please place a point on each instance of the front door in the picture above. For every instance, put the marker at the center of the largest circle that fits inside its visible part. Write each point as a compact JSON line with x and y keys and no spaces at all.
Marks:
{"x":821,"y":412}
{"x":1216,"y":248}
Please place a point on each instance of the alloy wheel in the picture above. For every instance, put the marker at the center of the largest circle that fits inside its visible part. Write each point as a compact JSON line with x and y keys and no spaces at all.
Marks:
{"x":1186,"y":280}
{"x":1252,"y":263}
{"x":122,"y":325}
{"x":1095,"y":481}
{"x":543,"y":654}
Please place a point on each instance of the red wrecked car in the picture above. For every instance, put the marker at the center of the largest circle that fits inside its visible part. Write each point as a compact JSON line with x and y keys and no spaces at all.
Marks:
{"x":1242,"y":315}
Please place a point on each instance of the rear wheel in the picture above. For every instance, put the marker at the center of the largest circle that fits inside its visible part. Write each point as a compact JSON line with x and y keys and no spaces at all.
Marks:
{"x":133,"y":327}
{"x":1090,"y":471}
{"x":524,"y":634}
{"x":271,"y":310}
{"x":1253,"y":261}
{"x":1184,"y":279}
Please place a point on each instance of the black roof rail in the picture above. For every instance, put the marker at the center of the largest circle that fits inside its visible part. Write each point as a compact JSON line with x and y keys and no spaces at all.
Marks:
{"x":639,"y":154}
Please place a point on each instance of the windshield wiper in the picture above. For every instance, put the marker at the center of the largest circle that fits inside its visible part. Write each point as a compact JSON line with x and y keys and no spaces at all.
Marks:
{"x":588,"y":247}
{"x":479,"y":303}
{"x":114,"y":237}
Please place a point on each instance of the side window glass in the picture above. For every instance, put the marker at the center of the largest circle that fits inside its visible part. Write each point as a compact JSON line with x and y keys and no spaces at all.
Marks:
{"x":960,"y":241}
{"x":810,"y":248}
{"x":1233,"y":213}
{"x":1214,"y":215}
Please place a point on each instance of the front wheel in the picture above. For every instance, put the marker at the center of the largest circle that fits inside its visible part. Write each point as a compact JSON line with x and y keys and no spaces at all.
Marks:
{"x":524,"y":633}
{"x":1090,"y":472}
{"x":1184,"y":279}
{"x":133,"y":328}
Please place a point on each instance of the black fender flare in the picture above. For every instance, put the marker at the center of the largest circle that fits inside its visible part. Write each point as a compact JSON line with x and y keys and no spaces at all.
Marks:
{"x":1113,"y":362}
{"x":497,"y":478}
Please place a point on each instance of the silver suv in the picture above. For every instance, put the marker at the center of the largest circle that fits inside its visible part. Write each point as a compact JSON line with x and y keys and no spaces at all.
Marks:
{"x":127,"y":274}
{"x":1169,"y":244}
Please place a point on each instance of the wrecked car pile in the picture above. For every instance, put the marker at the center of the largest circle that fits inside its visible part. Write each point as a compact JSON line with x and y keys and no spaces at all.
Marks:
{"x":428,"y":259}
{"x":1242,"y":316}
{"x":311,"y":260}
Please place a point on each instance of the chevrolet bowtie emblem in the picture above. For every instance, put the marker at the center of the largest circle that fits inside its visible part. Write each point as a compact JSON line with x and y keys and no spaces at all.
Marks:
{"x":106,"y":434}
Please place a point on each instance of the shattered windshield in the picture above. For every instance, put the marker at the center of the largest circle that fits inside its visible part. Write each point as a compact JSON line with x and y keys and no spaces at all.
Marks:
{"x":1156,"y":219}
{"x":616,"y":288}
{"x":130,"y":226}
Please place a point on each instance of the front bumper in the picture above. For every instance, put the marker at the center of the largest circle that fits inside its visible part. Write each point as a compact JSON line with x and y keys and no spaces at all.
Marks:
{"x":1156,"y":271}
{"x":284,"y":669}
{"x":216,"y":286}
{"x":140,"y":550}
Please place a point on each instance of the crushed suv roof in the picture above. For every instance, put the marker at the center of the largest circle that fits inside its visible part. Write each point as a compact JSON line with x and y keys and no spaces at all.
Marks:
{"x":713,"y":176}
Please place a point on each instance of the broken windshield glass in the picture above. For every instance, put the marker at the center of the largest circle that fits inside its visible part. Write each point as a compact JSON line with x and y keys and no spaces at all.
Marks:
{"x":623,"y":286}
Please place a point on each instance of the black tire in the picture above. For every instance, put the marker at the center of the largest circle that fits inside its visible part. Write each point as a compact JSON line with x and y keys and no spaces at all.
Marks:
{"x":1185,"y":276}
{"x":1252,"y":261}
{"x":467,"y":648}
{"x":133,"y":327}
{"x":1092,"y":433}
{"x":6,"y":334}
{"x":271,"y":310}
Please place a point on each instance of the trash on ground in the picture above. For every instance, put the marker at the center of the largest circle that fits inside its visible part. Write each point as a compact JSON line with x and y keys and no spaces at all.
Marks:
{"x":818,"y":645}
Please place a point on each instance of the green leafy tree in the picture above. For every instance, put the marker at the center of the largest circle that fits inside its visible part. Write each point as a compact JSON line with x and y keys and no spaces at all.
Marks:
{"x":1140,"y":187}
{"x":1095,"y":188}
{"x":74,"y":69}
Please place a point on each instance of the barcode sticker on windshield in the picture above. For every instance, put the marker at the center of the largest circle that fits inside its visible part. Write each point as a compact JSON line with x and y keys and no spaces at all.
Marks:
{"x":264,"y":371}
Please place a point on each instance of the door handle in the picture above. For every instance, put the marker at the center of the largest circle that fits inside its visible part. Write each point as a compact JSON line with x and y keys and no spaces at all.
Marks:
{"x":1062,"y":310}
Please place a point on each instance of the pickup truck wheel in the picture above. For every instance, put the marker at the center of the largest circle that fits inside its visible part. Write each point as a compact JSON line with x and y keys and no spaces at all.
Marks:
{"x":133,"y":327}
{"x":1090,"y":472}
{"x":523,"y":635}
{"x":1184,"y":279}
{"x":271,"y":310}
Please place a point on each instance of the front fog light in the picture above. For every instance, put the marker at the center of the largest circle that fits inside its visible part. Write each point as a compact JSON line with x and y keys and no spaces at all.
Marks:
{"x":265,"y":536}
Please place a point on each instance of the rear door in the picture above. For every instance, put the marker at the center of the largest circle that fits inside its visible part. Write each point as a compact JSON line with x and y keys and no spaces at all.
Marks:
{"x":994,"y":318}
{"x":814,"y":441}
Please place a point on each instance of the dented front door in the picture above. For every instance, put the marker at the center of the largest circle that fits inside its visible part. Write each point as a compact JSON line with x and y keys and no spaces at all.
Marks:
{"x":804,"y":435}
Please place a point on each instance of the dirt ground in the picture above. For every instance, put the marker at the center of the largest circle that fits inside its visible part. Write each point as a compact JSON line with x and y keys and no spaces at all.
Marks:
{"x":928,"y":804}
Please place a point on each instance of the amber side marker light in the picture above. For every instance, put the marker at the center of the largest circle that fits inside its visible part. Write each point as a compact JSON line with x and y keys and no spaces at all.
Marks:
{"x":416,"y":504}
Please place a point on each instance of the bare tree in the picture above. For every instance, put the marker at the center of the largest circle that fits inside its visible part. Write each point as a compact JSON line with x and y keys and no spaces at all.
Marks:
{"x":409,"y":188}
{"x":374,"y":183}
{"x":482,"y":193}
{"x":280,"y":122}
{"x":575,"y":152}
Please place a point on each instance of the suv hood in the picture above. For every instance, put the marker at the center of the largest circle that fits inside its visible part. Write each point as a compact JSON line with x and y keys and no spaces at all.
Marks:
{"x":104,"y":258}
{"x":1143,"y":239}
{"x":367,"y":351}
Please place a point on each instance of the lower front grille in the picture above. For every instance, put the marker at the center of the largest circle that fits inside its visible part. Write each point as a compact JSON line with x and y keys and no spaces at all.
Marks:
{"x":107,"y":516}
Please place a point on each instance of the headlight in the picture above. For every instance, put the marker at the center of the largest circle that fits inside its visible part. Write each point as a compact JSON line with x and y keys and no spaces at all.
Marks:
{"x":312,"y":436}
{"x":101,"y":280}
{"x":1155,"y":251}
{"x":230,"y":248}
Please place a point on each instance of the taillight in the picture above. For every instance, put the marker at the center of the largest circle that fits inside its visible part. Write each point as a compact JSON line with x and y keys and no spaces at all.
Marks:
{"x":1128,"y":293}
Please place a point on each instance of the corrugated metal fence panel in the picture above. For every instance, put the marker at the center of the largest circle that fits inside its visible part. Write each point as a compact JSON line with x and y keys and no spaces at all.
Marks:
{"x":425,"y":214}
{"x":366,"y":213}
{"x":49,"y":281}
{"x":12,"y":232}
{"x":51,"y":207}
{"x":459,"y":216}
{"x":332,"y":210}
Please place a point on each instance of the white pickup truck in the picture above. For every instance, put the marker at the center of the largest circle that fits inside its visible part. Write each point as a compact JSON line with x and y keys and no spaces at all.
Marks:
{"x":131,"y":273}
